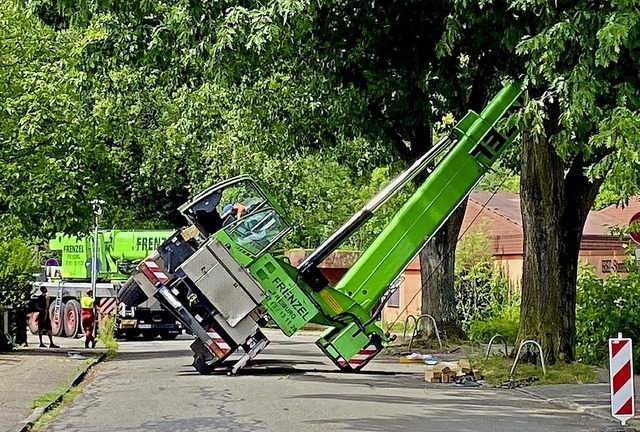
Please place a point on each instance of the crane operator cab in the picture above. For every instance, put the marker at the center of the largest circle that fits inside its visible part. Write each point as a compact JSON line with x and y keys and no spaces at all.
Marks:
{"x":239,"y":214}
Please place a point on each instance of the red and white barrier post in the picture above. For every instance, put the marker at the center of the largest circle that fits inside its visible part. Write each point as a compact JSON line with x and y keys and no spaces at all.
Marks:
{"x":621,"y":378}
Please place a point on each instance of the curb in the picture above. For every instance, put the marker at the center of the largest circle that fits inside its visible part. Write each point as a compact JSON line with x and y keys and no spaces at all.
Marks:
{"x":26,"y":424}
{"x":569,"y":405}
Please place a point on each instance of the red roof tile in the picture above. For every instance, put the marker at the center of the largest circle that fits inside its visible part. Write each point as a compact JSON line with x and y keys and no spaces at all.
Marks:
{"x":506,"y":206}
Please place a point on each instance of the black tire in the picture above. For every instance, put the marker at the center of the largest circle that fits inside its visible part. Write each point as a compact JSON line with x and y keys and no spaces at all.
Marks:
{"x":201,"y":366}
{"x":131,"y":294}
{"x":57,"y":326}
{"x":168,"y":336}
{"x":72,"y":318}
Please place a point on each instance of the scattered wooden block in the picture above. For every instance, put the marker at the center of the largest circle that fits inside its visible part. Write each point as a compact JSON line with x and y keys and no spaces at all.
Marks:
{"x":465,"y":365}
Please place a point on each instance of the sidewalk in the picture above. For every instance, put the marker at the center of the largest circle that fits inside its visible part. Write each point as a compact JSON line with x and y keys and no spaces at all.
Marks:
{"x":592,"y":399}
{"x":31,"y":372}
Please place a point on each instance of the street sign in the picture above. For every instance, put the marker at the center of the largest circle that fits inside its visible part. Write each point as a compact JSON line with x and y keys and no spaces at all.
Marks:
{"x":635,"y":235}
{"x":621,"y":378}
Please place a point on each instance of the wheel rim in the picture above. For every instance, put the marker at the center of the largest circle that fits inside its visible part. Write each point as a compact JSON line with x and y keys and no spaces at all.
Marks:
{"x":72,"y":322}
{"x":33,"y":322}
{"x":55,"y":322}
{"x":56,"y":325}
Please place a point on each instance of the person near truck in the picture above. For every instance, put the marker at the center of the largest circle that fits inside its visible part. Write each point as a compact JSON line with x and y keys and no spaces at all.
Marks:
{"x":232,"y":212}
{"x":44,"y":318}
{"x":88,"y":318}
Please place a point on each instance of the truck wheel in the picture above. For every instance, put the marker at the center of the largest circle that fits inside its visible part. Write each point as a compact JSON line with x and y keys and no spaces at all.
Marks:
{"x":57,"y":325}
{"x":33,"y":322}
{"x":168,"y":336}
{"x":201,"y":366}
{"x":72,"y":318}
{"x":131,"y":294}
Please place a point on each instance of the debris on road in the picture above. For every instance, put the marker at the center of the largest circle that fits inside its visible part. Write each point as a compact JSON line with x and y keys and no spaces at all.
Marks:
{"x":459,"y":372}
{"x":512,"y":384}
{"x":418,"y":358}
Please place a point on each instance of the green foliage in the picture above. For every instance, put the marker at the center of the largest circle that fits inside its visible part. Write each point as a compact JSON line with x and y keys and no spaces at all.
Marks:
{"x":159,"y":101}
{"x":484,"y":302}
{"x":604,"y":309}
{"x":48,"y":152}
{"x":107,"y":336}
{"x":17,"y":263}
{"x":500,"y":179}
{"x":504,"y":321}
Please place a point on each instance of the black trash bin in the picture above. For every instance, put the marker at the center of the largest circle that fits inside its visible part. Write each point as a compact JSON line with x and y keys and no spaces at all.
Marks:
{"x":13,"y":328}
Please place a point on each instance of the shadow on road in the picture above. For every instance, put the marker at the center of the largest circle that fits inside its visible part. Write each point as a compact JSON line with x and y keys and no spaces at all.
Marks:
{"x":59,"y":352}
{"x":151,"y":354}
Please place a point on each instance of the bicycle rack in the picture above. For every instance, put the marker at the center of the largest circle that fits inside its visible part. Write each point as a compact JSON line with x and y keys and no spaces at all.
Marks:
{"x":527,"y":342}
{"x":415,"y":329}
{"x":491,"y":343}
{"x":406,"y":321}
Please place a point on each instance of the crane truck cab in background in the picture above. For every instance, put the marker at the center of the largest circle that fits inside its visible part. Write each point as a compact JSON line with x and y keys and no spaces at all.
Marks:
{"x":223,"y":278}
{"x":119,"y":253}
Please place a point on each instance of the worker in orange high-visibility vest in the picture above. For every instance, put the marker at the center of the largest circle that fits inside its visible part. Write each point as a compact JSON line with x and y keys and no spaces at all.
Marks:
{"x":88,"y":318}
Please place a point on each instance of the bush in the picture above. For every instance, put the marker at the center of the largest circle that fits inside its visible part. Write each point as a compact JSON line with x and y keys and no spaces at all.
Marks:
{"x":17,"y":263}
{"x":504,"y":322}
{"x":605,"y":308}
{"x":107,"y":336}
{"x":483,"y":299}
{"x":482,"y":292}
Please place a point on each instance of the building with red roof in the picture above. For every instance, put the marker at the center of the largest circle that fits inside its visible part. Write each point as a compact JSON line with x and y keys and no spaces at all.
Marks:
{"x":499,"y":216}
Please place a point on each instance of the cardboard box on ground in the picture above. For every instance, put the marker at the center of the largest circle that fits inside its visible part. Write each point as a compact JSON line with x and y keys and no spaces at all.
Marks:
{"x":447,"y":372}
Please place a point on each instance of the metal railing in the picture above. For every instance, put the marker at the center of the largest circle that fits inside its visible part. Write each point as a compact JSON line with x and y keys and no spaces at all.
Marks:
{"x":506,"y":348}
{"x":416,"y":328}
{"x":522,"y":344}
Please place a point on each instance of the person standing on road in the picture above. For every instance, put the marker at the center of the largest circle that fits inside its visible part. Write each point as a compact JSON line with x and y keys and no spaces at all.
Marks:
{"x":44,"y":318}
{"x":88,"y":319}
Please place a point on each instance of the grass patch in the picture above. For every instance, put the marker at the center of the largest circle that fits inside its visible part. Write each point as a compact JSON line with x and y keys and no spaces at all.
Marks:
{"x":397,"y":326}
{"x":47,"y":398}
{"x":496,"y":370}
{"x":49,"y":416}
{"x":107,"y":336}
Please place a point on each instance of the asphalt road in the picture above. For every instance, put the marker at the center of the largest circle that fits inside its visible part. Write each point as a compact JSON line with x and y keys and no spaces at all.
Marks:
{"x":151,"y":386}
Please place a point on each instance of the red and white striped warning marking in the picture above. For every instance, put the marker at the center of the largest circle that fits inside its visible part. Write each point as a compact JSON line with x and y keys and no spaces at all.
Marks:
{"x":107,"y":305}
{"x":621,"y":378}
{"x":218,"y":345}
{"x":152,"y":271}
{"x":360,"y":359}
{"x":155,"y":268}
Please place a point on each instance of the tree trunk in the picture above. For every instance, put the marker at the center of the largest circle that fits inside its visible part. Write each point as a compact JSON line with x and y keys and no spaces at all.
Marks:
{"x":437,"y":263}
{"x":555,"y":205}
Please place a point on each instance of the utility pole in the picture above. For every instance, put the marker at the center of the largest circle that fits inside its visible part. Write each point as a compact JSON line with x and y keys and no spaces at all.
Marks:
{"x":96,"y":204}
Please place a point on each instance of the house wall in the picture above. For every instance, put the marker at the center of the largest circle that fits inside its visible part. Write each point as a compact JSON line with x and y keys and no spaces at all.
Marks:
{"x":410,"y":299}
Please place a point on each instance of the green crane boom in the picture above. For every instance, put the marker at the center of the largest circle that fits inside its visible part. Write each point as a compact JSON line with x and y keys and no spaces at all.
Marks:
{"x":478,"y":146}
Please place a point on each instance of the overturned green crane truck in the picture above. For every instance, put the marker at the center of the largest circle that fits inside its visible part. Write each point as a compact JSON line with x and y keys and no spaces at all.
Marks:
{"x":221,"y":279}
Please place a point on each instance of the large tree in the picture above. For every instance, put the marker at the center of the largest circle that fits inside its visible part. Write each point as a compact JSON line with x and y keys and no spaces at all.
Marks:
{"x":581,"y":130}
{"x":581,"y":62}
